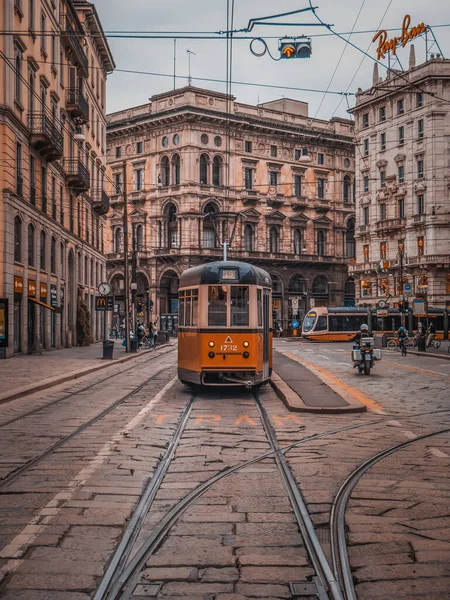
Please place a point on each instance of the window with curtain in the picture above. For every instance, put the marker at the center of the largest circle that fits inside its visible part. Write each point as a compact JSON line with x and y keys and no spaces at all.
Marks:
{"x":274,"y":239}
{"x":118,"y":240}
{"x":347,"y":191}
{"x":139,"y":238}
{"x":248,"y":237}
{"x":297,"y":241}
{"x":321,"y":243}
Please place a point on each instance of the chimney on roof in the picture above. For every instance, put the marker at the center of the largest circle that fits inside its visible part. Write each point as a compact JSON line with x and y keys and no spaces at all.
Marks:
{"x":376,"y":77}
{"x":412,"y":57}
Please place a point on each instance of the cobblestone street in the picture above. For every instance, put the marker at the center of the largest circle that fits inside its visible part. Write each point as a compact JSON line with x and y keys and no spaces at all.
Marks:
{"x":93,"y":471}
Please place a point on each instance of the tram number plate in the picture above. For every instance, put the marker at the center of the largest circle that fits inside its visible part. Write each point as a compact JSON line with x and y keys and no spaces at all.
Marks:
{"x":228,"y":347}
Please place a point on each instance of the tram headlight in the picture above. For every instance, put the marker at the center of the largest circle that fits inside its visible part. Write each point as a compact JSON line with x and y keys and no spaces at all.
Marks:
{"x":246,"y":354}
{"x":211,"y":354}
{"x":211,"y":344}
{"x":246,"y":344}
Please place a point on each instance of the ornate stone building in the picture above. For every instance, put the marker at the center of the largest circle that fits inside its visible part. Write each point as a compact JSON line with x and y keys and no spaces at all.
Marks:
{"x":403,"y":197}
{"x":53,"y":71}
{"x":199,"y":164}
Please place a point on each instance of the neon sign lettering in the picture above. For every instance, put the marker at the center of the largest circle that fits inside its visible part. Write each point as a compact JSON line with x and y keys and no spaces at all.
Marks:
{"x":386,"y":45}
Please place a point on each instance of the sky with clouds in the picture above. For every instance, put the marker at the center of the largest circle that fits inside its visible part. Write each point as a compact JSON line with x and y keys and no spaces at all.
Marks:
{"x":192,"y":16}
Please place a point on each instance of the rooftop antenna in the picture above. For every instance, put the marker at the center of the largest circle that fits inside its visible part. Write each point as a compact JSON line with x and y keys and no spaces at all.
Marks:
{"x":189,"y":77}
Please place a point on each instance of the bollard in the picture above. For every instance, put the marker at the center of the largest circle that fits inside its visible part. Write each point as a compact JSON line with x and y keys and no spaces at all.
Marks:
{"x":421,"y":343}
{"x":108,"y":348}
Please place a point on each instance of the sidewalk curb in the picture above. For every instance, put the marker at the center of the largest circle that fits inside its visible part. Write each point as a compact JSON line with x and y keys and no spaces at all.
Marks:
{"x":429,"y":354}
{"x":57,"y":380}
{"x":295,"y":404}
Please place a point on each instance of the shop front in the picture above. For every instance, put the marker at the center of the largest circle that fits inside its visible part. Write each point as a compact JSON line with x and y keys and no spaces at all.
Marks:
{"x":17,"y":319}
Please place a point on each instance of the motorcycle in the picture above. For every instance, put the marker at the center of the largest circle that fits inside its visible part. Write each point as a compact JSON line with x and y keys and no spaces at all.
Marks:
{"x":365,"y":355}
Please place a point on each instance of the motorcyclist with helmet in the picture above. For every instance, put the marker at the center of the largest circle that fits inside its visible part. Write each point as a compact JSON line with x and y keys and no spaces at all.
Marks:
{"x":363,"y":332}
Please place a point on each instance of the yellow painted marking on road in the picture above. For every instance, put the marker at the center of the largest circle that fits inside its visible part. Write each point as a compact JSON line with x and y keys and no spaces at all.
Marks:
{"x":211,"y":419}
{"x":282,"y":420}
{"x":159,"y":419}
{"x":241,"y":418}
{"x":439,"y":453}
{"x":418,"y":369}
{"x":337,"y":384}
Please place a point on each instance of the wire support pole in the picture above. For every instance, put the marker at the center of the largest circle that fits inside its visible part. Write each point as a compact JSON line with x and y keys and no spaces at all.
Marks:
{"x":125,"y":259}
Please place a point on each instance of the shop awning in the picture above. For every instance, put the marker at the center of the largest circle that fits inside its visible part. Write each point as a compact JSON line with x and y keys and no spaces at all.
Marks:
{"x":41,"y":303}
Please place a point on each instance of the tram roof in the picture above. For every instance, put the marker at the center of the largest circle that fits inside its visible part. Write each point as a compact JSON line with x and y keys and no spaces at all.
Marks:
{"x":210,"y":273}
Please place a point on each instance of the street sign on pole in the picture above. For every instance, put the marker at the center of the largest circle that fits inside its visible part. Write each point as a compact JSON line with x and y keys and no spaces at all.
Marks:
{"x":382,"y":313}
{"x":407,"y":289}
{"x":104,"y":303}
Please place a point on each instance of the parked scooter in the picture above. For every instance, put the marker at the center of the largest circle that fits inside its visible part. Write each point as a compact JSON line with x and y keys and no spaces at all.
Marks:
{"x":365,"y":355}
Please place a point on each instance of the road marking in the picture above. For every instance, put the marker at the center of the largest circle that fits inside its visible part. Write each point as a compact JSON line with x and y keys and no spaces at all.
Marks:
{"x":409,"y":368}
{"x":394,"y":423}
{"x":159,"y":419}
{"x":241,"y":418}
{"x":410,"y":435}
{"x":278,"y":420}
{"x":20,"y":544}
{"x":210,"y":419}
{"x":323,"y":356}
{"x":439,"y":453}
{"x":337,"y":384}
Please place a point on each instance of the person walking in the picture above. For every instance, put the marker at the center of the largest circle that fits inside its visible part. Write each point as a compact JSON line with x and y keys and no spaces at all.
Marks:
{"x":431,"y":333}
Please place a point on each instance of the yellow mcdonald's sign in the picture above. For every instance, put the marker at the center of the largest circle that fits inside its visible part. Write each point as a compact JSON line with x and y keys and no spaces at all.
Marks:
{"x":100,"y":303}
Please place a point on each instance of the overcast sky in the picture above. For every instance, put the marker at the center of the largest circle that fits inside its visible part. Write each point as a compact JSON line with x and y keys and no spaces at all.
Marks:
{"x":156,"y":56}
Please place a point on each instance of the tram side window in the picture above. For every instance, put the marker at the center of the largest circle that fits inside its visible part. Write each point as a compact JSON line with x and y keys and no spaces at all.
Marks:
{"x":260,"y":308}
{"x":187,"y":314}
{"x":239,"y":306}
{"x":346,"y":323}
{"x":194,"y":308}
{"x":321,"y":324}
{"x":181,"y":309}
{"x":217,"y":305}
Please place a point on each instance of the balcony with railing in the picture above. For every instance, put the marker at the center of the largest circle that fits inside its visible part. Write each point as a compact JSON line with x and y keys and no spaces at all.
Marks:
{"x":77,"y":175}
{"x":100,"y":201}
{"x":76,"y":104}
{"x":428,"y":258}
{"x":249,"y":196}
{"x":298,"y":201}
{"x":70,"y":40}
{"x":391,"y":224}
{"x":45,"y":136}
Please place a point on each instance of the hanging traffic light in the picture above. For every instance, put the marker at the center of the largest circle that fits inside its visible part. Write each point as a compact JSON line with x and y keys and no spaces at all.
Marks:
{"x":295,"y":48}
{"x":406,"y":307}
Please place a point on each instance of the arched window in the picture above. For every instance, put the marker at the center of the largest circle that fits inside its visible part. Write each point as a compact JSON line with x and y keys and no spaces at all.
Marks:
{"x":61,"y":258}
{"x":347,"y":189}
{"x":273,"y":240}
{"x":204,"y":163}
{"x":53,"y":255}
{"x":248,"y":237}
{"x":139,"y":238}
{"x":297,"y":241}
{"x":217,"y":171}
{"x":86,"y":273}
{"x":297,"y":285}
{"x":349,"y":292}
{"x":118,"y":240}
{"x":172,"y":225}
{"x":165,"y":171}
{"x":159,"y":234}
{"x":43,"y":260}
{"x":321,"y":243}
{"x":80,"y":267}
{"x":92,"y":271}
{"x":18,"y":239}
{"x":176,"y":169}
{"x":31,"y":246}
{"x":209,"y":232}
{"x":18,"y":70}
{"x":350,"y":239}
{"x":320,"y":286}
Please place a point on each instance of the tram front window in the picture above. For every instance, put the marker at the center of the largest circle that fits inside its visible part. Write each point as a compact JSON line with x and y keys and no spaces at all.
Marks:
{"x":309,"y":321}
{"x":239,"y":306}
{"x":217,"y":305}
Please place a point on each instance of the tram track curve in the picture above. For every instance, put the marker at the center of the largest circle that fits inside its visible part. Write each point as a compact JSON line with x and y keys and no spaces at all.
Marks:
{"x":15,"y":474}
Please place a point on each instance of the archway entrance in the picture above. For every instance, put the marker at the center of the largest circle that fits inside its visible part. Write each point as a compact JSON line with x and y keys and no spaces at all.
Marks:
{"x":142,"y":298}
{"x":297,"y":299}
{"x":277,"y":302}
{"x":168,"y":302}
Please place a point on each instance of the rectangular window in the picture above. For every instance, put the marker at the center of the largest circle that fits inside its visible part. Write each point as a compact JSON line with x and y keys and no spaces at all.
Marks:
{"x":194,"y":319}
{"x":44,"y":189}
{"x":273,"y":178}
{"x":401,"y":174}
{"x":273,"y":151}
{"x":320,"y":158}
{"x":139,"y":148}
{"x":420,"y":204}
{"x":248,"y":146}
{"x":401,"y":208}
{"x":401,"y":135}
{"x":181,"y":297}
{"x":366,"y":147}
{"x":239,"y":306}
{"x":366,"y":252}
{"x":118,"y":151}
{"x":420,"y":131}
{"x":366,"y":215}
{"x":31,"y":14}
{"x":297,"y":154}
{"x":54,"y":206}
{"x":383,"y":212}
{"x":366,"y":183}
{"x":53,"y":50}
{"x":188,"y":308}
{"x":32,"y":180}
{"x":420,"y":169}
{"x":419,"y":99}
{"x":117,"y":183}
{"x":382,"y":113}
{"x":383,"y":250}
{"x":365,"y":120}
{"x":19,"y":175}
{"x":217,"y":305}
{"x":61,"y":205}
{"x":297,"y":185}
{"x":259,"y":307}
{"x":139,"y":179}
{"x":43,"y":38}
{"x":248,"y":174}
{"x":321,"y":188}
{"x":400,"y":107}
{"x":382,"y":141}
{"x":382,"y":179}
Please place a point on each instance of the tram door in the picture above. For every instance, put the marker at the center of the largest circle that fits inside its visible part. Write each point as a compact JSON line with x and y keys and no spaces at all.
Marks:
{"x":266,"y":340}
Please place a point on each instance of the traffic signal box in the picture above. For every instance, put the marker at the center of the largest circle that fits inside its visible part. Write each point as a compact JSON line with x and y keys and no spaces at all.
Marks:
{"x":295,"y":48}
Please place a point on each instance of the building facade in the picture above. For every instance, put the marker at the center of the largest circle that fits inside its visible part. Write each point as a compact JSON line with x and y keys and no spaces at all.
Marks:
{"x":53,"y":203}
{"x":200,"y":166}
{"x":403,"y":180}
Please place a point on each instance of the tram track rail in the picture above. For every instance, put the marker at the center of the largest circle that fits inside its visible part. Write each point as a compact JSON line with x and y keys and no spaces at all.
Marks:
{"x":80,"y":391}
{"x":18,"y":472}
{"x":340,"y":559}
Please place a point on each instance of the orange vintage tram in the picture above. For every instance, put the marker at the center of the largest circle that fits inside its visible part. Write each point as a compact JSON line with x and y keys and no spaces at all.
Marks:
{"x":224,"y":325}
